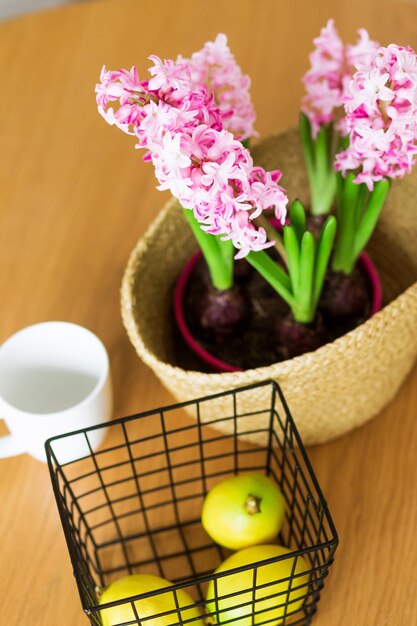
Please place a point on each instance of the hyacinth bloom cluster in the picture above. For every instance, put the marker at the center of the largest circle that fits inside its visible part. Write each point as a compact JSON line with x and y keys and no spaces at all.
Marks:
{"x":381,"y":117}
{"x":183,"y":117}
{"x":213,"y":174}
{"x":215,"y":67}
{"x":322,"y":121}
{"x":327,"y":81}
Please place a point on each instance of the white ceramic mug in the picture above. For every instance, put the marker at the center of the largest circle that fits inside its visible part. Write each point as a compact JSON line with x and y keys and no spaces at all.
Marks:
{"x":54,"y":378}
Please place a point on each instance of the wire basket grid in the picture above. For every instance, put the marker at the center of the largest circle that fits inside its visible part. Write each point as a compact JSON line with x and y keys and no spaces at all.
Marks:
{"x":134,"y":507}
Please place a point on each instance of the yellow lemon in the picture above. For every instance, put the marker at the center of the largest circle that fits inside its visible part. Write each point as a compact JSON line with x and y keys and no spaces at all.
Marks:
{"x":242,"y":606}
{"x":148,"y":607}
{"x":243,"y":511}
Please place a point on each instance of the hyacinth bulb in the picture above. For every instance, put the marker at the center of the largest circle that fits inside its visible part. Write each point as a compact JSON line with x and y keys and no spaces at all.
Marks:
{"x":344,"y":295}
{"x":222,"y":313}
{"x":294,"y":338}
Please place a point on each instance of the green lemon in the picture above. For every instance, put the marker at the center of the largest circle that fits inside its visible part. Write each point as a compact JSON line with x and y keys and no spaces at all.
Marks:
{"x":144,"y":583}
{"x":268,"y":610}
{"x":243,"y":511}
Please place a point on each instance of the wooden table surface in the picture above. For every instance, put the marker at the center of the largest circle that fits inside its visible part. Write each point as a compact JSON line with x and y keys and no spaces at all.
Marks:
{"x":74,"y":198}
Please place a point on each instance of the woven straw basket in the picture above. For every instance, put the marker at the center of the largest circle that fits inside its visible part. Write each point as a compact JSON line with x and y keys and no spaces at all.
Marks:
{"x":330,"y":391}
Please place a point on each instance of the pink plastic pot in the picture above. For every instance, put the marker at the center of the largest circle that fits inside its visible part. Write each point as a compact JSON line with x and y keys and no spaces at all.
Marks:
{"x":218,"y":365}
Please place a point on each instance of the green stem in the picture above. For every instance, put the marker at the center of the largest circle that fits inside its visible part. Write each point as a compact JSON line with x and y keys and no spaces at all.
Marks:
{"x":343,"y":259}
{"x":324,"y":250}
{"x":322,"y":196}
{"x":358,"y":213}
{"x":298,"y":219}
{"x":292,"y":247}
{"x":273,"y":274}
{"x":322,"y":165}
{"x":273,"y":235}
{"x":370,"y":217}
{"x":318,"y":156}
{"x":361,"y":204}
{"x":304,"y":311}
{"x":227,"y":251}
{"x":307,"y":145}
{"x":217,"y":254}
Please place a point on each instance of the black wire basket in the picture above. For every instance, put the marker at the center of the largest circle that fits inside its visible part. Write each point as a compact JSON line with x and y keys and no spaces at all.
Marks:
{"x":134,"y":506}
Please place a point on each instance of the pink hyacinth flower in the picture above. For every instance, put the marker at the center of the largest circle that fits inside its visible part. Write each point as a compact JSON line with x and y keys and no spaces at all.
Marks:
{"x":332,"y":65}
{"x":381,"y":117}
{"x":215,"y":67}
{"x":182,"y":116}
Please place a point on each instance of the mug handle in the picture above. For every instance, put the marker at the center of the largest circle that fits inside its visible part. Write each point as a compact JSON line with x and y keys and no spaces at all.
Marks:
{"x":10,"y":446}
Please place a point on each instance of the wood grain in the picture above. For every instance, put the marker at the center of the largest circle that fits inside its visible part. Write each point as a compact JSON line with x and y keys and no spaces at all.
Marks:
{"x":75,"y":196}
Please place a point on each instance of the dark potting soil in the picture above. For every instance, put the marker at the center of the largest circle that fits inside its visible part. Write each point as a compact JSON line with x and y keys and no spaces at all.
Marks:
{"x":257,"y":341}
